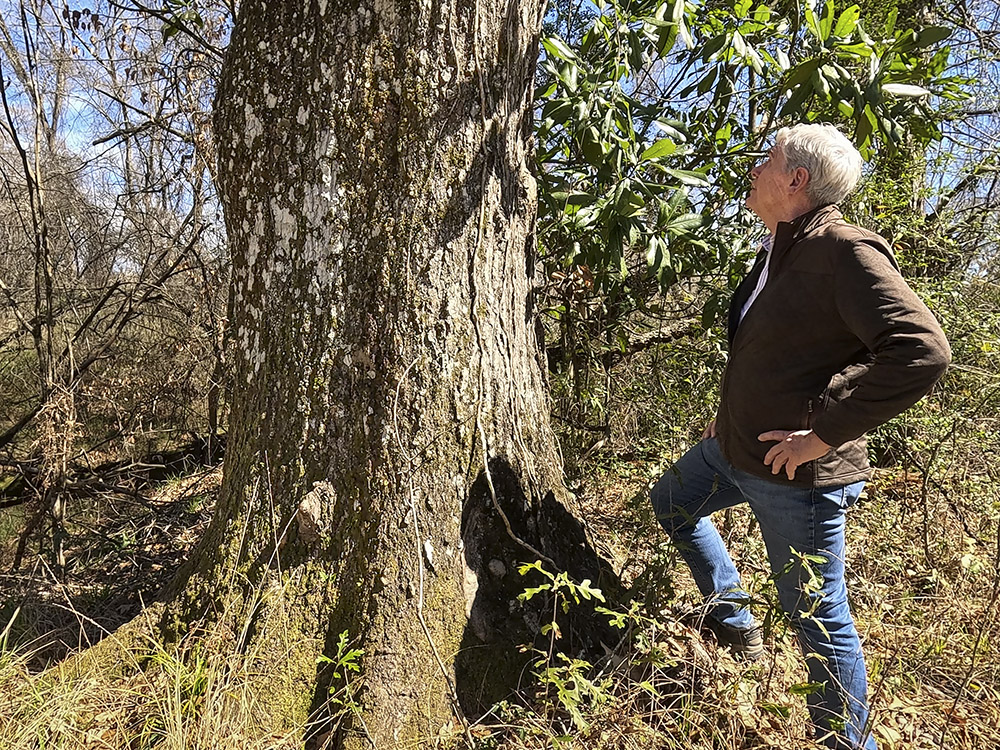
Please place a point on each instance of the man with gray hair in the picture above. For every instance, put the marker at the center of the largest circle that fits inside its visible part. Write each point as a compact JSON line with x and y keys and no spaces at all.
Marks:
{"x":826,"y":342}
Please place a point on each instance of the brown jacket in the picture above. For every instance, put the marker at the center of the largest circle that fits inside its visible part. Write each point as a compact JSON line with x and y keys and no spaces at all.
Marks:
{"x":836,"y":342}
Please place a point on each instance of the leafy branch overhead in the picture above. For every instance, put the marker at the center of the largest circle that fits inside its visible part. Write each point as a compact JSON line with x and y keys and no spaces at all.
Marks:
{"x":650,"y":118}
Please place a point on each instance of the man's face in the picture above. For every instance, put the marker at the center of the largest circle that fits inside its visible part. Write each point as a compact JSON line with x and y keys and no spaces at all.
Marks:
{"x":770,"y":181}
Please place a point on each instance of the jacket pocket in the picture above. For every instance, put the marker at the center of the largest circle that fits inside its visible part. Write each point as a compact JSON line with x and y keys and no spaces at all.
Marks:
{"x":841,"y":385}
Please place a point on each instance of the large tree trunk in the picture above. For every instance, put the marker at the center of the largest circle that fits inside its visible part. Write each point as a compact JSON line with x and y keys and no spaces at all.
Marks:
{"x":389,"y":457}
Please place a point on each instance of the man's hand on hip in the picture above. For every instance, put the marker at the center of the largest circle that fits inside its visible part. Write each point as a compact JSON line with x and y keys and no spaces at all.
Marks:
{"x":709,"y":432}
{"x":793,"y":449}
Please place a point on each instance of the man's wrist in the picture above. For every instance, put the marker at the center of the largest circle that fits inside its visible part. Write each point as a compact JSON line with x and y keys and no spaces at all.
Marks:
{"x":820,"y":442}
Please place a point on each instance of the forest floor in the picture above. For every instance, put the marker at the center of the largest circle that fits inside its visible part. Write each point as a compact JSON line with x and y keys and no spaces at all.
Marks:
{"x":923,"y":572}
{"x":923,"y":569}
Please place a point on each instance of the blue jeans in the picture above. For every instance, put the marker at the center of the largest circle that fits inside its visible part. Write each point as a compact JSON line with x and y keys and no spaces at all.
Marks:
{"x":810,"y":521}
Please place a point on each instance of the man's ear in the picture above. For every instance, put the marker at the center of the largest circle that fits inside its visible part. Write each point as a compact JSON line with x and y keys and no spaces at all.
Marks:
{"x":800,"y":178}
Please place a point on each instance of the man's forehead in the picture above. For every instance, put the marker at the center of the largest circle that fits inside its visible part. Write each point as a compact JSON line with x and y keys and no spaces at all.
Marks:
{"x":775,"y":152}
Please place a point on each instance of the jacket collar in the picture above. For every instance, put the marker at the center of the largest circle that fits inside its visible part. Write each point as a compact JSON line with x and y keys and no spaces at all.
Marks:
{"x":790,"y":232}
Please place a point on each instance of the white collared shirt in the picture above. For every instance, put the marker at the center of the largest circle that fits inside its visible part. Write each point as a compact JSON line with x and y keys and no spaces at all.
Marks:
{"x":766,"y":245}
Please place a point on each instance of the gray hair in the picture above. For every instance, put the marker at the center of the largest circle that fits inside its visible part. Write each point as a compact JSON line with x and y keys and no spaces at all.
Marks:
{"x":833,"y":164}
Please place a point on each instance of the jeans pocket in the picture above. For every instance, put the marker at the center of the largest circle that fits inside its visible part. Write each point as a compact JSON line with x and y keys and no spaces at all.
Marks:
{"x":851,"y":493}
{"x":843,"y":497}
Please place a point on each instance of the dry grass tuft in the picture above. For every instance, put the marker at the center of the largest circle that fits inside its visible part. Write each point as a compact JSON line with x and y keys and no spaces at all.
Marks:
{"x":162,"y":701}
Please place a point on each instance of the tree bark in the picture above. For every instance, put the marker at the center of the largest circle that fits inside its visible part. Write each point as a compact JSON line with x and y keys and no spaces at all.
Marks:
{"x":390,"y":458}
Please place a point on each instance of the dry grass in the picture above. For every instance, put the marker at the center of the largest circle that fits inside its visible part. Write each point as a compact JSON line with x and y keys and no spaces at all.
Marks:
{"x":159,"y":701}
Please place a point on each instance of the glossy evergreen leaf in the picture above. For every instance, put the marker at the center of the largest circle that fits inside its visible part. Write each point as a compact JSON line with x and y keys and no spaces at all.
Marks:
{"x":663,"y":147}
{"x":556,"y":47}
{"x":905,"y":90}
{"x":847,"y":22}
{"x":688,"y":177}
{"x":826,"y":22}
{"x":931,"y":35}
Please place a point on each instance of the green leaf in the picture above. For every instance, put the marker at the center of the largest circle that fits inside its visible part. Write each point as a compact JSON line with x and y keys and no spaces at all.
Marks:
{"x":708,"y":81}
{"x":685,"y":223}
{"x":666,"y":38}
{"x":826,"y":24}
{"x":663,"y":147}
{"x":556,"y":47}
{"x":724,"y":134}
{"x":636,"y":55}
{"x":847,"y":22}
{"x":682,"y":29}
{"x":526,"y":568}
{"x":739,"y":45}
{"x":713,"y":46}
{"x":854,"y":51}
{"x":796,"y":100}
{"x":801,"y":73}
{"x":628,"y":203}
{"x":671,"y":129}
{"x":805,"y":688}
{"x":559,"y":110}
{"x":712,"y":310}
{"x":932,"y":35}
{"x":906,"y":41}
{"x":820,"y":84}
{"x":654,"y":252}
{"x":865,"y":127}
{"x":548,"y":91}
{"x":648,"y":687}
{"x":588,"y":591}
{"x":890,"y":21}
{"x":905,"y":90}
{"x":568,"y":74}
{"x":530,"y":592}
{"x":811,"y":22}
{"x":580,"y":199}
{"x":688,"y":177}
{"x":593,"y":147}
{"x":776,"y":709}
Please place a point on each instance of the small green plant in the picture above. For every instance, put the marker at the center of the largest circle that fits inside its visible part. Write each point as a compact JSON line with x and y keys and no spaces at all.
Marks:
{"x":563,"y":588}
{"x":574,"y":690}
{"x":555,"y":670}
{"x":346,"y":664}
{"x":196,"y":502}
{"x":810,"y":582}
{"x":190,"y":677}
